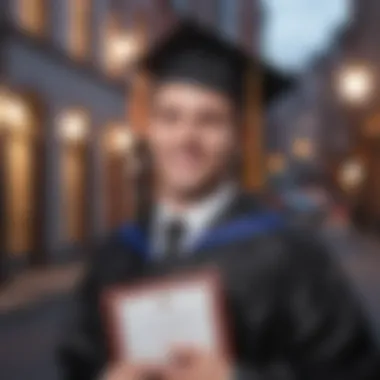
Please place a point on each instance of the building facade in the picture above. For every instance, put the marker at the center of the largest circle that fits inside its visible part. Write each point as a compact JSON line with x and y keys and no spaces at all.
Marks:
{"x":69,"y":107}
{"x":337,"y":101}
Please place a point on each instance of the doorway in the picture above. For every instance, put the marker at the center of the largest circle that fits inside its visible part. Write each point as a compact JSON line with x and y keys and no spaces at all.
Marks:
{"x":117,"y":189}
{"x":21,"y":179}
{"x":73,"y":132}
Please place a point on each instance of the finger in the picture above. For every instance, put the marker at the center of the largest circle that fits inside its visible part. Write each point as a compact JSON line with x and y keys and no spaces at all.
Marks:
{"x":174,"y":372}
{"x":145,"y":366}
{"x":181,"y":354}
{"x":116,"y":371}
{"x":151,"y":376}
{"x":149,"y":371}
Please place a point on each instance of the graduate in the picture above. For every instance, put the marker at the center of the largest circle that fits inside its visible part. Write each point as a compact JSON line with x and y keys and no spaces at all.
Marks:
{"x":292,"y":314}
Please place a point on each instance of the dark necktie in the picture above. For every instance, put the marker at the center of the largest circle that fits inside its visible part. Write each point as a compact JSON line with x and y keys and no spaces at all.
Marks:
{"x":174,"y":234}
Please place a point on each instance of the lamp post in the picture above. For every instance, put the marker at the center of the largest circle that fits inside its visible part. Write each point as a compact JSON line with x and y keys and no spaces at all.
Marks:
{"x":356,"y":88}
{"x":120,"y":140}
{"x":119,"y":144}
{"x":371,"y":138}
{"x":352,"y":175}
{"x":355,"y":84}
{"x":73,"y":130}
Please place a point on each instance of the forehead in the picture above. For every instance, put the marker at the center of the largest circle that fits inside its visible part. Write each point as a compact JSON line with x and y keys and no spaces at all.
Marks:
{"x":189,"y":94}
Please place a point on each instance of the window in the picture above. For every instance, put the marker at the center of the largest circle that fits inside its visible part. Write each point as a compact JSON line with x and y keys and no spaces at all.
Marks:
{"x":17,"y":164}
{"x":79,"y":27}
{"x":32,"y":15}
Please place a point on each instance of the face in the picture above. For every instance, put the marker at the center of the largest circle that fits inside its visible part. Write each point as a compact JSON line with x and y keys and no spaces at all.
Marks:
{"x":192,"y":136}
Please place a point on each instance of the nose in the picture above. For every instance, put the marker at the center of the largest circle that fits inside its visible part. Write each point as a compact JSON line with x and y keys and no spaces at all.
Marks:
{"x":187,"y":130}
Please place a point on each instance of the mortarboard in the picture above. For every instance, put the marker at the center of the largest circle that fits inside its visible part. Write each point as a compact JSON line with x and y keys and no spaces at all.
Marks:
{"x":195,"y":54}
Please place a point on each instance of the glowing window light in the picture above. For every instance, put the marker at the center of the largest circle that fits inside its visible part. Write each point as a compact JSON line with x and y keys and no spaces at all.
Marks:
{"x":356,"y":84}
{"x":303,"y":148}
{"x":121,"y":51}
{"x":73,"y":125}
{"x":14,"y":112}
{"x":120,"y":139}
{"x":352,"y":174}
{"x":122,"y":48}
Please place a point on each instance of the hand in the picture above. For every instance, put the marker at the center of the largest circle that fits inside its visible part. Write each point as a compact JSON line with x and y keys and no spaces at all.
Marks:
{"x":191,"y":364}
{"x":127,"y":371}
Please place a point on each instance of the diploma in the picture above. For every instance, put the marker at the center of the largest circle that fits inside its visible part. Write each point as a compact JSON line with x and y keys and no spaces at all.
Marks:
{"x":146,"y":321}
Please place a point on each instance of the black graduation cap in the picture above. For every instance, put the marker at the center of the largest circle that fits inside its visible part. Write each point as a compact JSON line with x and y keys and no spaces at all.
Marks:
{"x":194,"y":53}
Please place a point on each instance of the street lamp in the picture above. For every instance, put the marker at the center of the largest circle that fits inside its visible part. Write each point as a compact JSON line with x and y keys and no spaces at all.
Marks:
{"x":303,"y":148}
{"x":120,"y":139}
{"x":14,"y":113}
{"x":123,"y":48}
{"x":73,"y":125}
{"x":352,"y":174}
{"x":355,"y":84}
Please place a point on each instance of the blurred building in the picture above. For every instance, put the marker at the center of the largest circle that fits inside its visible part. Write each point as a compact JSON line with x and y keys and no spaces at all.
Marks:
{"x":330,"y":122}
{"x":69,"y":102}
{"x":307,"y":126}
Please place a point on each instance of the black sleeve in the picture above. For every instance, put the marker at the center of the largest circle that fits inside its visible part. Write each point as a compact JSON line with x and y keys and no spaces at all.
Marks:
{"x":82,"y":352}
{"x":316,"y":327}
{"x":330,"y":336}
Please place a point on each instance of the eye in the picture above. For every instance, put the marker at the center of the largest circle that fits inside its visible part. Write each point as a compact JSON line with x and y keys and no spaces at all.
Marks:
{"x":212,"y":119}
{"x":167,"y":115}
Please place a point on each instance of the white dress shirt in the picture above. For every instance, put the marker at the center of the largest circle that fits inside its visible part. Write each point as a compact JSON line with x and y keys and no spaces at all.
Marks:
{"x":197,"y":219}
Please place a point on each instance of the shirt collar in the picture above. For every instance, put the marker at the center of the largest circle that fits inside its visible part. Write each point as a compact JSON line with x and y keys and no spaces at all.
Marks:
{"x":197,"y":219}
{"x":201,"y":213}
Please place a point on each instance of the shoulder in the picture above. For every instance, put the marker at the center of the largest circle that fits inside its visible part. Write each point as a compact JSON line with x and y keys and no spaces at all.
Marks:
{"x":126,"y":237}
{"x":248,"y":202}
{"x":287,"y":247}
{"x":306,"y":245}
{"x":114,"y":252}
{"x":305,"y":257}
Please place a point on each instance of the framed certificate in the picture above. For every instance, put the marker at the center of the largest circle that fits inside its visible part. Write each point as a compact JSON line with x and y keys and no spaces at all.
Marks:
{"x":145,"y":321}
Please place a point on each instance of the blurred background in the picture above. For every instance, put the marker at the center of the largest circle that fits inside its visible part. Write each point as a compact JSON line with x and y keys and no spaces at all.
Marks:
{"x":73,"y":109}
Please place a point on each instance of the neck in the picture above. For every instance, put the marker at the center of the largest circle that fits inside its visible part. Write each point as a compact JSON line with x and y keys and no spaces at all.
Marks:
{"x":181,"y":201}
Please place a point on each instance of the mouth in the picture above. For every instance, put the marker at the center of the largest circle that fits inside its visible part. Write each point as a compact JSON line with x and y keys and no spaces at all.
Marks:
{"x":187,"y":160}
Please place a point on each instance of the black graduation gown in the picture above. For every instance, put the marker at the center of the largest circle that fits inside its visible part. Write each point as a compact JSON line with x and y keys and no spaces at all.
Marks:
{"x":291,"y":312}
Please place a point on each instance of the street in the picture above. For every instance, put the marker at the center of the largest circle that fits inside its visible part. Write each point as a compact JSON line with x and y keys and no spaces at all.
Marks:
{"x":27,"y":342}
{"x":28,"y":338}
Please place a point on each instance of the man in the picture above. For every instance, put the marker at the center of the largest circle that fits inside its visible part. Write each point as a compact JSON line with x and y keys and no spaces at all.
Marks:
{"x":291,"y":313}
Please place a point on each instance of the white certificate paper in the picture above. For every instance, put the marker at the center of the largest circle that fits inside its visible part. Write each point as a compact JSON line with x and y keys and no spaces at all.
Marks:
{"x":152,"y":321}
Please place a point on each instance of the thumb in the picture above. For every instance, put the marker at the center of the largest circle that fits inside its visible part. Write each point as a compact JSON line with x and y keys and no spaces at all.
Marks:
{"x":184,"y":355}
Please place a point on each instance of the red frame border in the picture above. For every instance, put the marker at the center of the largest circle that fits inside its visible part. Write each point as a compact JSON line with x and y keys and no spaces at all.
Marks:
{"x":111,"y":296}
